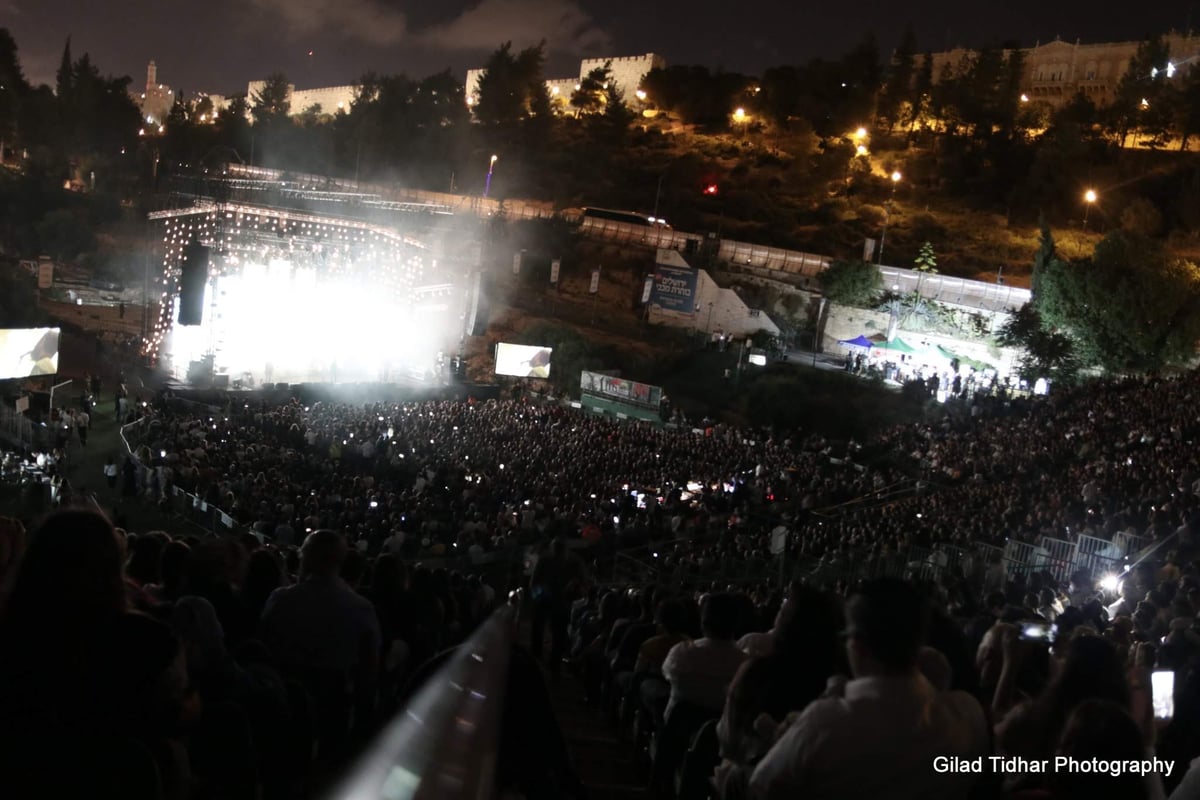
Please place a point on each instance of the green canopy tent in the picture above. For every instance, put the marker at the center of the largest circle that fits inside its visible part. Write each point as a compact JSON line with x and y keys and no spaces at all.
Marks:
{"x":896,"y":345}
{"x":950,"y":355}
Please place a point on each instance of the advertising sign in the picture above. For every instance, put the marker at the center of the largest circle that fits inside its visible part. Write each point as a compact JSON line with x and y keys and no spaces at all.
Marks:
{"x":674,"y":289}
{"x":555,"y":265}
{"x":642,"y":394}
{"x":595,"y":285}
{"x":647,"y":289}
{"x":45,"y":274}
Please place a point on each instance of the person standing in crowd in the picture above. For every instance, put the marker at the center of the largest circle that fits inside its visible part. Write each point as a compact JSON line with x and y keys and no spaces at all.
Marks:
{"x":83,"y":424}
{"x":557,"y":579}
{"x":122,"y":399}
{"x":880,"y":735}
{"x":327,"y":636}
{"x":111,"y":471}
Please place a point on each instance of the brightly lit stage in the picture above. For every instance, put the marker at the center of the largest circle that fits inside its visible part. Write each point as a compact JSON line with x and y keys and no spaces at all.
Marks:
{"x":293,"y":297}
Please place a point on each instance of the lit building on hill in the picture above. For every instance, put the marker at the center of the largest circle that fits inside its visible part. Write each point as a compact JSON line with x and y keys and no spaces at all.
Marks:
{"x":156,"y":99}
{"x":1056,"y":71}
{"x":329,"y":100}
{"x":627,"y":73}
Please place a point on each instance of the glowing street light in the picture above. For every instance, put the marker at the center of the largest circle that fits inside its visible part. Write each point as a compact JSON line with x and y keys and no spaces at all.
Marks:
{"x":1024,"y":98}
{"x":739,"y":115}
{"x":1089,"y":197}
{"x":640,"y":94}
{"x":860,"y":134}
{"x":861,"y":150}
{"x":487,"y":185}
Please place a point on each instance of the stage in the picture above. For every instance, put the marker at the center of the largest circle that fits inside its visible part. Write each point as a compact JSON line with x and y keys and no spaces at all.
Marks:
{"x":254,"y":296}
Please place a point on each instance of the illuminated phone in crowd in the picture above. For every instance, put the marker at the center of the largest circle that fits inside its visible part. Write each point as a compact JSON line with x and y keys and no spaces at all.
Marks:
{"x":1036,"y":631}
{"x":1162,"y":687}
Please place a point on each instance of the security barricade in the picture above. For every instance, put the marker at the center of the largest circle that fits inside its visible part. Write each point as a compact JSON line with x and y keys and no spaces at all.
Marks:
{"x":1129,"y":544}
{"x":1059,"y":557}
{"x":1097,"y":556}
{"x":1018,"y":556}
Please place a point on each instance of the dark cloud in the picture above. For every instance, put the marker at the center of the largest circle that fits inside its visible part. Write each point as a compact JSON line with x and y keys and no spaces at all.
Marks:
{"x":565,"y":26}
{"x":369,"y":21}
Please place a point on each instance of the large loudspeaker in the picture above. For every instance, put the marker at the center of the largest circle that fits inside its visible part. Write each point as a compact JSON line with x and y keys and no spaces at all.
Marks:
{"x":478,"y":310}
{"x":193,"y":277}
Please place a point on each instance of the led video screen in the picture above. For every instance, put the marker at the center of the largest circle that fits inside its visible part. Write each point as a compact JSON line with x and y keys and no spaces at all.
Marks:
{"x":523,"y":361}
{"x":28,"y":351}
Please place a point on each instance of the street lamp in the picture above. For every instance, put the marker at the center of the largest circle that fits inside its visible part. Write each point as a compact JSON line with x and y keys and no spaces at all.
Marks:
{"x":487,"y":184}
{"x":860,"y":134}
{"x":1089,"y":197}
{"x":887,"y":214}
{"x":739,"y":115}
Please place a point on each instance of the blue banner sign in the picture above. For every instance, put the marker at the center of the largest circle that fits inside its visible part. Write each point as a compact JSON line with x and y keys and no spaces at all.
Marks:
{"x":674,"y":289}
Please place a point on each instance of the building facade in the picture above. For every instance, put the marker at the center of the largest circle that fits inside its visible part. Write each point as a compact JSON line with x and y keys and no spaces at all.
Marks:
{"x":155,"y":99}
{"x":1056,"y":71}
{"x":626,"y":72}
{"x":330,"y":99}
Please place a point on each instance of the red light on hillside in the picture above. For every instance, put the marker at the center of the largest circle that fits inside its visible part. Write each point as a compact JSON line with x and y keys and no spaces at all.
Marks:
{"x":710,"y":189}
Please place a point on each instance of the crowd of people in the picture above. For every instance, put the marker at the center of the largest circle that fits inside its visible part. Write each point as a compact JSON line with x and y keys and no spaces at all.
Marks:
{"x":302,"y":634}
{"x":152,"y":666}
{"x":461,"y":477}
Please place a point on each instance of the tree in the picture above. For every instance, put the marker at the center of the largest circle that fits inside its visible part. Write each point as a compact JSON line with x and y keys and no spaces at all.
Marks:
{"x":695,"y":95}
{"x":1187,"y":115}
{"x":1143,"y":80}
{"x":513,"y":88}
{"x":592,"y":95}
{"x":1129,"y":308}
{"x":1009,"y":95}
{"x":64,"y":78}
{"x":273,"y":102}
{"x":311,"y":116}
{"x":926,"y":260}
{"x":851,"y":283}
{"x":898,"y":90}
{"x":922,"y":93}
{"x":1045,"y":353}
{"x":13,"y":90}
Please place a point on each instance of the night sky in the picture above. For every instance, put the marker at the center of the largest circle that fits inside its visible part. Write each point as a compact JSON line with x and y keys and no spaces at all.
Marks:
{"x":219,"y":45}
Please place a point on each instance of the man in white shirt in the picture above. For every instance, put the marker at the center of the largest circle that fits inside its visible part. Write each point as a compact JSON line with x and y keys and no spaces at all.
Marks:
{"x":700,"y":671}
{"x":887,"y":734}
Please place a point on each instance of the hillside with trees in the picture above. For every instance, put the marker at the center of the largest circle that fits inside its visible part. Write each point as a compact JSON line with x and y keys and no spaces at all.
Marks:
{"x":818,"y":156}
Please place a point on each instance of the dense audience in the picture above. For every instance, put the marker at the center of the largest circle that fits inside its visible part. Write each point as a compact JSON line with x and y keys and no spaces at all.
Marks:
{"x":435,"y":478}
{"x":260,"y":664}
